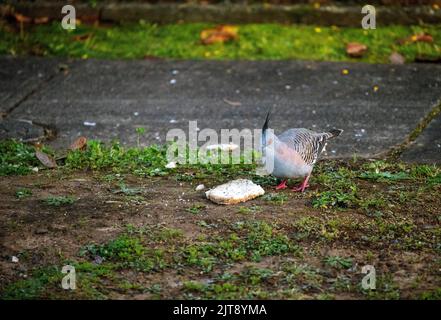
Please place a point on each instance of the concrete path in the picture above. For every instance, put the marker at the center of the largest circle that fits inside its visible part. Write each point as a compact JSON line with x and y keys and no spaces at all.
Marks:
{"x":378,"y":106}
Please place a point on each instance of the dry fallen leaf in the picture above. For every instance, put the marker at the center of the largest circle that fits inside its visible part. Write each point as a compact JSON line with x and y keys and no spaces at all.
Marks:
{"x":45,"y":159}
{"x":396,"y":58}
{"x":41,"y":20}
{"x":21,"y":18}
{"x":355,"y":49}
{"x":425,"y":37}
{"x":79,"y":144}
{"x":422,"y":37}
{"x":219,"y":34}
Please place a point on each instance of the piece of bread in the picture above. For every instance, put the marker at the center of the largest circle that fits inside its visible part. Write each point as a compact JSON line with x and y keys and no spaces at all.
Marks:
{"x":235,"y":191}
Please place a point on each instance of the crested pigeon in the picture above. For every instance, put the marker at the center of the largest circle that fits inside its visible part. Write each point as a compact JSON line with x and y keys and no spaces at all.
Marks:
{"x":294,"y":152}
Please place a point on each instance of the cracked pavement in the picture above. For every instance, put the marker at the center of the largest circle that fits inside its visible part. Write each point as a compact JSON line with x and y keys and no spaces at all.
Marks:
{"x":378,"y":106}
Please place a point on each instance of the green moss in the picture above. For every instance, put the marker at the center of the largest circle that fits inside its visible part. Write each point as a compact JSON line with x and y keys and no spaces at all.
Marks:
{"x":256,"y":41}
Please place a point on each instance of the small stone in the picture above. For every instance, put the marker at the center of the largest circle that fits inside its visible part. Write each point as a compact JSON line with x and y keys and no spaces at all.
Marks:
{"x":35,"y":169}
{"x":14,"y":259}
{"x":41,"y":231}
{"x":171,"y":165}
{"x":396,"y":58}
{"x":98,"y":260}
{"x":200,"y":187}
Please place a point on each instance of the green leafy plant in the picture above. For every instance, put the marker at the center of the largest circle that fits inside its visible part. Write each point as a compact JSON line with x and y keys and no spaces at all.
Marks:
{"x":23,"y":193}
{"x":277,"y":198}
{"x":338,"y":262}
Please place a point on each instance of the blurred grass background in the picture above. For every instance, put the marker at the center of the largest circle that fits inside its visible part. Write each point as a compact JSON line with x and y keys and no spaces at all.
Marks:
{"x":254,"y":42}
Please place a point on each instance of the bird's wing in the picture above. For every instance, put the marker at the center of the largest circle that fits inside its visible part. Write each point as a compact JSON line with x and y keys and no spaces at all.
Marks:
{"x":308,"y":144}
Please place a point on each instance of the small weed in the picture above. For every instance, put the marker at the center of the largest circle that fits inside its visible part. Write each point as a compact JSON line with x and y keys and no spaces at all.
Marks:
{"x":22,"y":193}
{"x":255,"y":276}
{"x":247,"y":210}
{"x":385,"y":176}
{"x":338,"y":199}
{"x":126,"y":190}
{"x":196,"y":208}
{"x":338,"y":262}
{"x":277,"y":198}
{"x":431,"y":295}
{"x":59,"y":201}
{"x":139,"y":131}
{"x":128,"y":252}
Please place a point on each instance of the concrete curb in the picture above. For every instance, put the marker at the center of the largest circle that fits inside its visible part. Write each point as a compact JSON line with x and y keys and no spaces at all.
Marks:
{"x":172,"y":13}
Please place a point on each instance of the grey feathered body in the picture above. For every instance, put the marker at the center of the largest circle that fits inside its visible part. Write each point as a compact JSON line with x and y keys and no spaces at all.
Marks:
{"x":295,"y":151}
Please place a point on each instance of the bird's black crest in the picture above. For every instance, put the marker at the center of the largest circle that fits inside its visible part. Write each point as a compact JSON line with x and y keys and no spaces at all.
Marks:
{"x":265,"y":125}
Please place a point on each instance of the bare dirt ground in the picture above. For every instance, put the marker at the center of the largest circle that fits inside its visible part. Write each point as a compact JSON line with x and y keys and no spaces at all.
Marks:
{"x":159,"y":238}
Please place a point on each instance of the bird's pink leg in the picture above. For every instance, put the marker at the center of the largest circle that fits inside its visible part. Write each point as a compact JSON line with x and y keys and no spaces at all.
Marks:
{"x":282,"y":185}
{"x":302,"y":186}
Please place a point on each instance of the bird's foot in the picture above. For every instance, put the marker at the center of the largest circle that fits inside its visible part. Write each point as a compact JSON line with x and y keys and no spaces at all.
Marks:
{"x":282,"y":185}
{"x":300,"y":188}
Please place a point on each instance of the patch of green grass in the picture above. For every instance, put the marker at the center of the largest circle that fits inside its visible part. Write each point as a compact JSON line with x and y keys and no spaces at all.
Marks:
{"x":22,"y":193}
{"x":128,"y":251}
{"x":338,"y":262}
{"x":58,"y":201}
{"x":431,"y":295}
{"x":34,"y":286}
{"x":212,"y":290}
{"x":250,"y":240}
{"x":373,"y":202}
{"x":148,"y":161}
{"x":302,"y":274}
{"x":256,"y":41}
{"x":276,"y":198}
{"x":336,"y":199}
{"x":196,"y":208}
{"x":384,"y":176}
{"x":435,"y":180}
{"x":254,"y":276}
{"x":262,"y":239}
{"x":45,"y":283}
{"x":265,"y":180}
{"x":126,"y":190}
{"x":342,"y":191}
{"x":386,"y":289}
{"x":16,"y":158}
